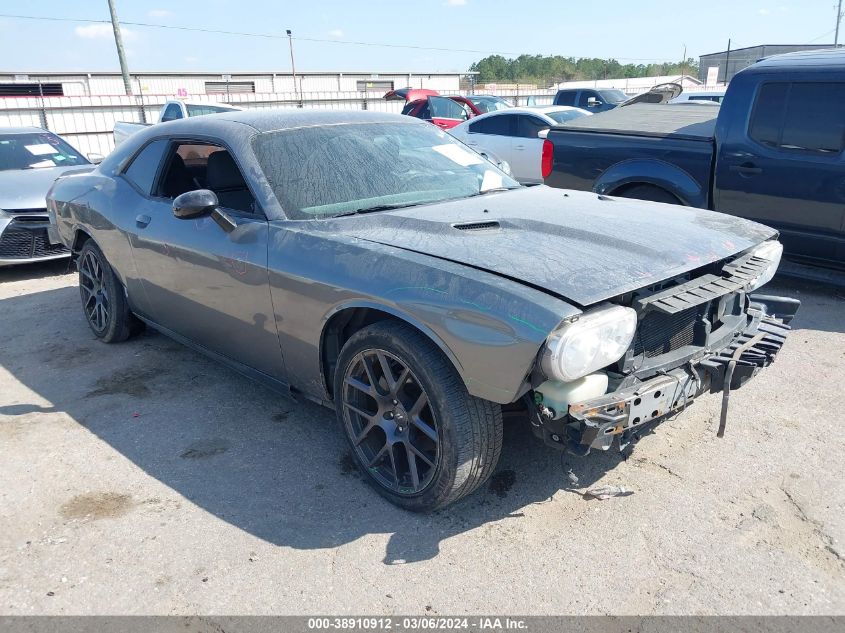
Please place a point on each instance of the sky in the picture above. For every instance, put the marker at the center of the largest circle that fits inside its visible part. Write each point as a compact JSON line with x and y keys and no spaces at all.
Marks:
{"x":628,"y":30}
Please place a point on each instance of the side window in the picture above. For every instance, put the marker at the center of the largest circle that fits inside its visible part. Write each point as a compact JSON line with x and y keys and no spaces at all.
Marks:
{"x":767,"y":117}
{"x":171,"y":113}
{"x":500,"y":125}
{"x":566,"y":97}
{"x":529,"y":126}
{"x":193,"y":166}
{"x":142,"y":170}
{"x":815,"y":117}
{"x":442,"y":107}
{"x":800,"y":116}
{"x":585,"y":96}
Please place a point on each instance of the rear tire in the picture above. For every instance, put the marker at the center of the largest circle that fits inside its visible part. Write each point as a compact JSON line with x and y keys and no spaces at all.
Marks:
{"x":453,"y":439}
{"x":103,"y":299}
{"x":648,"y":192}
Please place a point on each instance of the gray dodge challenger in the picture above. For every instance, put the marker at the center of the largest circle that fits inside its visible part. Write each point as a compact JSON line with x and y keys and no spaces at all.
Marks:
{"x":372,"y":263}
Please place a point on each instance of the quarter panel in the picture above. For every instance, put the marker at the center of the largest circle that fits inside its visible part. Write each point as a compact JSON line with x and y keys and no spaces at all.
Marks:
{"x":103,"y":208}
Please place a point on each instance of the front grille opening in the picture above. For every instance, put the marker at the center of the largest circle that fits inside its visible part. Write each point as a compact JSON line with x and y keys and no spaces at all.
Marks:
{"x":28,"y":244}
{"x":660,"y":333}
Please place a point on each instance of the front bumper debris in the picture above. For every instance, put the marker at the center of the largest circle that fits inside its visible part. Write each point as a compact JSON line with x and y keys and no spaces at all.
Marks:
{"x":597,"y":422}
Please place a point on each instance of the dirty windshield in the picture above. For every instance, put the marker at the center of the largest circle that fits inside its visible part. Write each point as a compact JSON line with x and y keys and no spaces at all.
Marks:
{"x":36,"y":151}
{"x":333,"y":170}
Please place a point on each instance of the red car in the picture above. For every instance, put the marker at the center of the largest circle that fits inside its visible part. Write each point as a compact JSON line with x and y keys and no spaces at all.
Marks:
{"x":444,"y":112}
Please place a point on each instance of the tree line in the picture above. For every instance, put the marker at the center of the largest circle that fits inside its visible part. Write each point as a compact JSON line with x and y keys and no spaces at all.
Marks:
{"x":548,"y":69}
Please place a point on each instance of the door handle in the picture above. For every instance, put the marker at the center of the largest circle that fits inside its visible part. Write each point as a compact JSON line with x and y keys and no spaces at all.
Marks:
{"x":746,"y":169}
{"x":519,"y":146}
{"x":142,"y":220}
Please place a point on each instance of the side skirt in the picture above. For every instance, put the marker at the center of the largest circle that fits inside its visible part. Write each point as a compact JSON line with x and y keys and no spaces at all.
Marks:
{"x":276,"y":385}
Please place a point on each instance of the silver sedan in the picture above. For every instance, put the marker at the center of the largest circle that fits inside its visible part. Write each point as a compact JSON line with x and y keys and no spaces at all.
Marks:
{"x":30,"y":161}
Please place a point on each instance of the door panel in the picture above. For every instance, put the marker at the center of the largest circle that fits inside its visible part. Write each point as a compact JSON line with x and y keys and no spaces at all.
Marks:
{"x":527,"y":149}
{"x":781,"y":172}
{"x":446,"y":113}
{"x":199,"y":280}
{"x":493,"y":134}
{"x":208,"y":285}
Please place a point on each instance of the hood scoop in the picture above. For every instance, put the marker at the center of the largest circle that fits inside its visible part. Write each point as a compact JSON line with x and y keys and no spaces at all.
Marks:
{"x":477,"y":226}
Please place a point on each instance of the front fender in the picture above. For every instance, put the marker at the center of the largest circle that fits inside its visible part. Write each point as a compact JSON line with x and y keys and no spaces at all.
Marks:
{"x":653,"y":172}
{"x":489,"y":327}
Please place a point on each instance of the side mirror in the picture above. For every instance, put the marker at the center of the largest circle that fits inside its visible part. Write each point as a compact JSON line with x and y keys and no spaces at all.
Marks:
{"x":193,"y":204}
{"x":95,"y":158}
{"x":592,"y":102}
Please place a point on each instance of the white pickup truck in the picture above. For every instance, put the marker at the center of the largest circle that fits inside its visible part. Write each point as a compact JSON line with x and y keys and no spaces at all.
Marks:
{"x":170,"y":111}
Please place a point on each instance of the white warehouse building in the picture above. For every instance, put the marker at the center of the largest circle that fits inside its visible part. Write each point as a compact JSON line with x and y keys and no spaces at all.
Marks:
{"x":81,"y":84}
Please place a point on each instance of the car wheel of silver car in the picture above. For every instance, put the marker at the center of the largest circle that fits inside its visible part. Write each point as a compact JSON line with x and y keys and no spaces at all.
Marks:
{"x":413,"y":429}
{"x":103,"y":300}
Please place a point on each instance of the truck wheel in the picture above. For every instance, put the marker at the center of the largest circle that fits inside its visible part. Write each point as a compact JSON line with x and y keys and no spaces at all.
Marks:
{"x":419,"y":438}
{"x":103,"y":299}
{"x":648,"y":192}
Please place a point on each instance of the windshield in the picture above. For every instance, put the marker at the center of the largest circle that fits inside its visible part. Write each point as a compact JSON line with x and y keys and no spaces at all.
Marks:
{"x":563,"y":116}
{"x":200,"y":110}
{"x":36,"y":150}
{"x":319,"y":172}
{"x":613,"y":96}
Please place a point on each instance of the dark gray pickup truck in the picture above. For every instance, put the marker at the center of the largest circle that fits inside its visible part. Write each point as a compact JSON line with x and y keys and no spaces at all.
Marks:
{"x":773,"y":152}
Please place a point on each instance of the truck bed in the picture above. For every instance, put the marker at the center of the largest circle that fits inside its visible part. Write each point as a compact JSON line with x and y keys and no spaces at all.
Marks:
{"x":690,"y":122}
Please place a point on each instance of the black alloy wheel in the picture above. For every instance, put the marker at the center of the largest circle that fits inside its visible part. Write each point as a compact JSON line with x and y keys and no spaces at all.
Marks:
{"x":388,"y":413}
{"x":104,"y":300}
{"x":92,"y":287}
{"x":420,"y":439}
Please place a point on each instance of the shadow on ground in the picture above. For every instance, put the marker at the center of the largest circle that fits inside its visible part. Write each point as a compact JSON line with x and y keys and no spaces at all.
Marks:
{"x":37,"y":270}
{"x":274,"y":468}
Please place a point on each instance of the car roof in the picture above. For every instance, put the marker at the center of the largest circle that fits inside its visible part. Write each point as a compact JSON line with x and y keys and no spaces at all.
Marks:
{"x":831,"y":57}
{"x":556,"y":108}
{"x":508,"y":112}
{"x":268,"y":120}
{"x":23,"y":130}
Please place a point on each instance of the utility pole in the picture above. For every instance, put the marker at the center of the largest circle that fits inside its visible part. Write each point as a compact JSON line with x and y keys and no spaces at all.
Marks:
{"x":684,"y":65}
{"x":727,"y":61}
{"x":292,"y":65}
{"x":838,"y":20}
{"x":121,"y":56}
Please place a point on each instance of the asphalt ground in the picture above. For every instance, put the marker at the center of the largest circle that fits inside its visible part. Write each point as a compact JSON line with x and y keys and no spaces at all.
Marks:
{"x":142,"y":478}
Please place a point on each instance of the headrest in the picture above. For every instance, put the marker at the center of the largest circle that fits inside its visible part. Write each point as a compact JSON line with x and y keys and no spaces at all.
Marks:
{"x":222,"y":172}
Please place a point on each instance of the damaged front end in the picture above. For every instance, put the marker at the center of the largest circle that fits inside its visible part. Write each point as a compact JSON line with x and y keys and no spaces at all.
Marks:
{"x":693,"y":336}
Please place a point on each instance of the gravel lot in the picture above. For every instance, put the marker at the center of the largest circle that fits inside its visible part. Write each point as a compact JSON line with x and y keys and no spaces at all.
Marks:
{"x":143,"y":478}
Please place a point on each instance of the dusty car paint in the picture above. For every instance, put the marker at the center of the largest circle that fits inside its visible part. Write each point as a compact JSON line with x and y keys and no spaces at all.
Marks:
{"x":487,"y":299}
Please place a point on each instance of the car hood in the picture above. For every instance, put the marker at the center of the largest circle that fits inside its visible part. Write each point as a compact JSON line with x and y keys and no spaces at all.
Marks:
{"x":27,"y":188}
{"x":579,"y":246}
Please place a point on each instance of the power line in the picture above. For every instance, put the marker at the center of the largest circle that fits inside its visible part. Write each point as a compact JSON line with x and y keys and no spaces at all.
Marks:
{"x":303,"y":39}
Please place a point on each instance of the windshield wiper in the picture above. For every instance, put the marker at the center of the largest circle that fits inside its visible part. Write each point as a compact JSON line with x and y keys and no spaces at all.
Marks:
{"x":492,"y":190}
{"x":378,"y":207}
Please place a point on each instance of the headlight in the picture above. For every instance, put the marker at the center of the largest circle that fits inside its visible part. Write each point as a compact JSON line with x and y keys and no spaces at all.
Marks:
{"x":770,"y":251}
{"x":598,"y":338}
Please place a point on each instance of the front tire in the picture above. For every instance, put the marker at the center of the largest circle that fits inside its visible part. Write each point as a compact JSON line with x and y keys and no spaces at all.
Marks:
{"x":413,"y":429}
{"x":103,"y":300}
